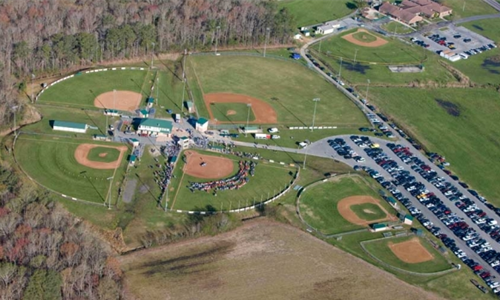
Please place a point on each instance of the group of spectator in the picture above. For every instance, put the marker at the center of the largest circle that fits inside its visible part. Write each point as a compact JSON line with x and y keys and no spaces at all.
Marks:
{"x":246,"y":169}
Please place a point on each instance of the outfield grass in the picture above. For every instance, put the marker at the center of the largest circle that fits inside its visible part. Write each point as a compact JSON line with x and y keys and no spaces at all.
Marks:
{"x":232,"y":112}
{"x":52,"y":163}
{"x":368,"y":211}
{"x":469,"y":141}
{"x":291,"y":85}
{"x":396,"y":27}
{"x":318,"y":204}
{"x":381,"y":250}
{"x":472,"y":8}
{"x":483,"y":68}
{"x":81,"y":90}
{"x":308,"y":12}
{"x":169,"y":90}
{"x":111,"y":154}
{"x":269,"y":180}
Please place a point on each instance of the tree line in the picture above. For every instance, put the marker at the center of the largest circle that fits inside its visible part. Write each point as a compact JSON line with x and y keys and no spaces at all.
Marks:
{"x":46,"y":36}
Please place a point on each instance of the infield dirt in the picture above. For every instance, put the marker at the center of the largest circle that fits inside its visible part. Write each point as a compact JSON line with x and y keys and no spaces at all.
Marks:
{"x":82,"y":151}
{"x":377,"y":43}
{"x":214,"y":166}
{"x":121,"y":100}
{"x":263,"y":112}
{"x":412,"y":251}
{"x":344,"y":208}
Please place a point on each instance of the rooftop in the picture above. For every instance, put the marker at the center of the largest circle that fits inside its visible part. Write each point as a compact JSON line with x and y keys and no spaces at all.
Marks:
{"x":164,"y":124}
{"x":201,"y":121}
{"x":69,"y":124}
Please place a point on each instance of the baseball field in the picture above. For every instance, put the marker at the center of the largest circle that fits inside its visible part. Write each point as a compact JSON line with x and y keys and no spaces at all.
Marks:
{"x":342,"y":205}
{"x":287,"y":87}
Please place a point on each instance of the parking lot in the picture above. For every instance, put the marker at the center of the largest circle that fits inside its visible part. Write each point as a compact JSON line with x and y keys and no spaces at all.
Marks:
{"x":455,"y":39}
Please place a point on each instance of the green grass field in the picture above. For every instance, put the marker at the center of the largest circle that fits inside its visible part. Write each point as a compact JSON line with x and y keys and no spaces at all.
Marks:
{"x":381,"y":250}
{"x":51,"y":162}
{"x":483,"y":68}
{"x":318,"y":204}
{"x":462,"y":127}
{"x":103,"y":154}
{"x":81,"y":90}
{"x":368,"y":211}
{"x":308,"y":12}
{"x":371,"y":63}
{"x":472,"y":8}
{"x":396,"y":27}
{"x":291,"y":85}
{"x":231,"y":112}
{"x":269,"y":180}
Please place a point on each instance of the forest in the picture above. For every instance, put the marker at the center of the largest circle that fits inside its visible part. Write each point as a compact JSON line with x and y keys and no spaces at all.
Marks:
{"x":48,"y":36}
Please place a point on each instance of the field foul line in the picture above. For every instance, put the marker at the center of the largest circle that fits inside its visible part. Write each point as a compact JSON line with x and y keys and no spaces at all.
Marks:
{"x":197,"y":79}
{"x":177,"y":192}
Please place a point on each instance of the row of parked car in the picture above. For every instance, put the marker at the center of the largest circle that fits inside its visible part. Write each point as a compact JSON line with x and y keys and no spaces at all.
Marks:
{"x":339,"y":145}
{"x":456,"y":224}
{"x":420,"y":43}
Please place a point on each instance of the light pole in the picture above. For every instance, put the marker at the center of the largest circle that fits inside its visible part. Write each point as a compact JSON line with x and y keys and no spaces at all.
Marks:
{"x":340,"y":69}
{"x":32,"y":77}
{"x":183,"y":78}
{"x":109,"y":192}
{"x":152,"y":54}
{"x":305,"y":157}
{"x":367,"y":89}
{"x":216,"y":38}
{"x":157,"y":89}
{"x":320,"y":41}
{"x":265,"y":43}
{"x":463,"y":8}
{"x":249,"y":105}
{"x":316,"y":100}
{"x":166,"y":199}
{"x":355,"y":54}
{"x":14,"y":108}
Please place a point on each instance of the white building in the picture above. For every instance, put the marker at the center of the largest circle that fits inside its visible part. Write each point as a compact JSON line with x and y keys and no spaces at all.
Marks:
{"x":328,"y":27}
{"x":69,"y":126}
{"x":202,"y":125}
{"x":155,"y":127}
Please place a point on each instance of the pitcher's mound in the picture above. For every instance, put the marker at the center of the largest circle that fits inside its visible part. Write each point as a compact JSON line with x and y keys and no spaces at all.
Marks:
{"x":120,"y":100}
{"x":230,"y":112}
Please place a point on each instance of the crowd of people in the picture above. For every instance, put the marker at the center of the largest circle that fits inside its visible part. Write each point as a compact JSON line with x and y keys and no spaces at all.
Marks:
{"x":163,"y":173}
{"x":246,"y":169}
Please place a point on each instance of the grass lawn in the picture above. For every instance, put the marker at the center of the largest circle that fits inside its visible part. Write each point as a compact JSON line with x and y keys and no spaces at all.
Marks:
{"x":472,"y":8}
{"x":368,"y":211}
{"x":169,"y":89}
{"x":364,"y":37}
{"x":291,"y":85}
{"x":103,"y":154}
{"x":318,"y":204}
{"x":269,"y":180}
{"x":463,"y":128}
{"x":308,"y":12}
{"x":381,"y":250}
{"x":81,"y":90}
{"x":231,"y":112}
{"x":483,"y":68}
{"x":396,"y":27}
{"x":52,"y":163}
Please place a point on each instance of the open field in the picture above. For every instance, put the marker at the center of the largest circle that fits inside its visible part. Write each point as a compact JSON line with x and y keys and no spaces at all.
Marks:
{"x":287,"y":86}
{"x":460,"y":124}
{"x":81,"y":90}
{"x":269,"y":180}
{"x":308,"y":12}
{"x":225,"y":265}
{"x":382,"y":250}
{"x":232,"y":112}
{"x":396,"y":27}
{"x":52,"y":163}
{"x":483,"y":68}
{"x":472,"y":8}
{"x":318,"y":204}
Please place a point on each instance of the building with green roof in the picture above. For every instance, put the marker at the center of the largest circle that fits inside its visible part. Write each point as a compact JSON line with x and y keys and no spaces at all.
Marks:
{"x":155,"y":127}
{"x":69,"y":126}
{"x":202,"y":124}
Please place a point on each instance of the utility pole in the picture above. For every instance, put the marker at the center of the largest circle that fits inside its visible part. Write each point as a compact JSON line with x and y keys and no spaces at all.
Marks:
{"x":109,"y":192}
{"x":367,"y":89}
{"x":340,"y":69}
{"x":249,"y":105}
{"x":305,"y":158}
{"x":267,"y":37}
{"x":14,"y":108}
{"x":216,"y":38}
{"x":166,"y":199}
{"x":157,"y":89}
{"x":463,"y":8}
{"x":355,"y":54}
{"x":32,"y":97}
{"x":183,"y":78}
{"x":320,"y":41}
{"x":152,"y":55}
{"x":316,"y":100}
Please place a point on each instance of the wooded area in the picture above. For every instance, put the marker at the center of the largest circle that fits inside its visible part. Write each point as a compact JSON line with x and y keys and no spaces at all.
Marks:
{"x":52,"y":35}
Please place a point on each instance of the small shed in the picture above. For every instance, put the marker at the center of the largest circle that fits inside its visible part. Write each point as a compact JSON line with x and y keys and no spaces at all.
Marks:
{"x":296,"y":56}
{"x":150,"y":101}
{"x":252,"y":129}
{"x":99,"y":137}
{"x":377,"y":227}
{"x":183,"y":142}
{"x":173,"y":159}
{"x":131,"y":160}
{"x":392,"y":202}
{"x":408,"y":220}
{"x":202,"y":125}
{"x":144,"y":113}
{"x":190,"y":106}
{"x":133,"y":142}
{"x":111,"y":112}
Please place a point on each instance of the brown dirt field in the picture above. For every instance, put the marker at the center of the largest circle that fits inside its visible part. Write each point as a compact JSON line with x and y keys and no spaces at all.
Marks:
{"x":82,"y":151}
{"x":125,"y":100}
{"x":259,"y":260}
{"x":103,"y":154}
{"x":230,"y":112}
{"x":263,"y":112}
{"x":377,"y":43}
{"x":217,"y":167}
{"x":411,"y":251}
{"x":344,"y":208}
